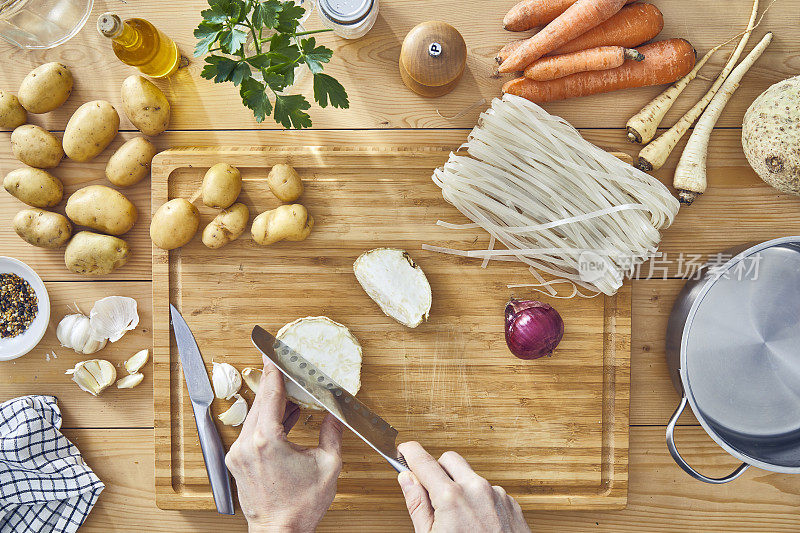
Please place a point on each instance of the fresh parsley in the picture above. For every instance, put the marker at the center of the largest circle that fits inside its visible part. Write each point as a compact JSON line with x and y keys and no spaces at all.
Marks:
{"x":236,"y":29}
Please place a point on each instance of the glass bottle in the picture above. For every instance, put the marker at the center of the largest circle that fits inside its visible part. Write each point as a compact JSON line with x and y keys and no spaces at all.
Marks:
{"x":138,"y":43}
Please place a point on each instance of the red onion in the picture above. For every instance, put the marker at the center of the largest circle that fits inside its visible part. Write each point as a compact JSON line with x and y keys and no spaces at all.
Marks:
{"x":533,"y":329}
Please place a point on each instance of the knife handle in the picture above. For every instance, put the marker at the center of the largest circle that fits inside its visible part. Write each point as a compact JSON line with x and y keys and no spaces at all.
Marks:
{"x":214,"y":457}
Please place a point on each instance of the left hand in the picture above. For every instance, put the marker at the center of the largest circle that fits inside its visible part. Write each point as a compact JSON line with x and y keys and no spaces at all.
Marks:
{"x":282,"y":486}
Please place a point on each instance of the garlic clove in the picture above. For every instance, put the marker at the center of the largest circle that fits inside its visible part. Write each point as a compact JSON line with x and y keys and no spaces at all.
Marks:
{"x":130,"y":381}
{"x":236,"y":413}
{"x":137,"y":361}
{"x":94,"y":375}
{"x":252,"y":376}
{"x":226,"y":380}
{"x":64,"y":329}
{"x":112,"y":316}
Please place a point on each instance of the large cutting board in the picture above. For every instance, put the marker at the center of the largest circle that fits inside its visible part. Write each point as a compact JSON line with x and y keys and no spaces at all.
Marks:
{"x":553,"y":432}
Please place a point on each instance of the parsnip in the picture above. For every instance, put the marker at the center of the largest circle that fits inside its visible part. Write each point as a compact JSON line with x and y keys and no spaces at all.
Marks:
{"x":690,"y":174}
{"x":654,"y":155}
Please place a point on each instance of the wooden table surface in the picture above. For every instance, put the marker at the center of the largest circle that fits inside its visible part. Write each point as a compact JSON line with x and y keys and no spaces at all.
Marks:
{"x":115,"y":431}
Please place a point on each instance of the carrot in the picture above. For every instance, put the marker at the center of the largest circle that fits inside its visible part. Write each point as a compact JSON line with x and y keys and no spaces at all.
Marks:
{"x":600,"y":58}
{"x":690,"y":174}
{"x":580,"y":17}
{"x":664,"y":62}
{"x":632,"y":26}
{"x":531,"y":13}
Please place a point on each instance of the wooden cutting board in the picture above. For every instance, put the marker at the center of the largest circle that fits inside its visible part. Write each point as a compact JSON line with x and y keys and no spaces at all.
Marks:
{"x":553,"y":432}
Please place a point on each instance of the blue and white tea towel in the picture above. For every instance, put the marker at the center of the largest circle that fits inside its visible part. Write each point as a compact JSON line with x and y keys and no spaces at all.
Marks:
{"x":44,"y":484}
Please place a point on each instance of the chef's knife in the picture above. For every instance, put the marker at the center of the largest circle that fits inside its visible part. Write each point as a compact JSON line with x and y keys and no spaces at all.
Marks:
{"x":356,"y":416}
{"x":194,"y":370}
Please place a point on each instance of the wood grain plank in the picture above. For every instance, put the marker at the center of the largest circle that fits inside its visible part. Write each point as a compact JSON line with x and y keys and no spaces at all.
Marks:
{"x":662,"y":497}
{"x":385,"y":102}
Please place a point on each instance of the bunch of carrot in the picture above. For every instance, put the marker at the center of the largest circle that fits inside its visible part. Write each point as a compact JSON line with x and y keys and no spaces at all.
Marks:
{"x":586,"y":47}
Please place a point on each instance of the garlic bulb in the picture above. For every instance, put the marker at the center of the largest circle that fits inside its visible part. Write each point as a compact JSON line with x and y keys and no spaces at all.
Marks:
{"x":94,"y":375}
{"x":236,"y":413}
{"x":252,"y":376}
{"x":129,"y":382}
{"x":112,"y":316}
{"x":74,"y":332}
{"x":226,"y":380}
{"x":137,"y":361}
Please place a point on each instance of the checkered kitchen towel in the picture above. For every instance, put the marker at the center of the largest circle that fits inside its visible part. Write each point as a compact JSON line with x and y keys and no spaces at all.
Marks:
{"x":44,"y":484}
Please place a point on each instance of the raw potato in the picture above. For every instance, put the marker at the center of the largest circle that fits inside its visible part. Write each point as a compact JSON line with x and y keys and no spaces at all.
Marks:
{"x":45,"y":88}
{"x":145,"y":105}
{"x":35,"y":187}
{"x":41,"y":228}
{"x":131,"y":162}
{"x":12,"y":114}
{"x":226,"y":226}
{"x":290,"y":222}
{"x":36,"y":147}
{"x":90,"y":129}
{"x":101,"y":208}
{"x":771,"y":135}
{"x":174,"y":224}
{"x":284,"y":182}
{"x":221,"y":186}
{"x":92,"y":253}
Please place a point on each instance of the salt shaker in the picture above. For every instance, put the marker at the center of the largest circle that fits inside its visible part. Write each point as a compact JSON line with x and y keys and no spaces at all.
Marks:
{"x":350,"y":19}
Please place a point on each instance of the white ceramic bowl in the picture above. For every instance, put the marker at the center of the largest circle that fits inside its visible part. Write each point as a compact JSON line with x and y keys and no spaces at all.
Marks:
{"x":14,"y":347}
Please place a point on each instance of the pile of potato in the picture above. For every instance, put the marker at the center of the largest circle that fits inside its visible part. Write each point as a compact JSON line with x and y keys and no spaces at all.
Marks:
{"x":92,"y":127}
{"x":175,"y":223}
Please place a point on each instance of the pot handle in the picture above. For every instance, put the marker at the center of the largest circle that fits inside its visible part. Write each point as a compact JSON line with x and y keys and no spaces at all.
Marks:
{"x":683,"y":464}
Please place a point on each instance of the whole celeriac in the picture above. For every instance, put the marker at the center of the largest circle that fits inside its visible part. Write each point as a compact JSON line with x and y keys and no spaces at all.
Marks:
{"x":93,"y":253}
{"x":36,"y":147}
{"x":41,"y":228}
{"x":90,"y":129}
{"x":45,"y":88}
{"x":771,"y":135}
{"x":102,"y":208}
{"x":34,"y":186}
{"x":145,"y":105}
{"x":131,"y":162}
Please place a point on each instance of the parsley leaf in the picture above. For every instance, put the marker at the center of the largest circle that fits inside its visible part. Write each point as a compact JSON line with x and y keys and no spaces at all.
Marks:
{"x":231,"y":40}
{"x":207,"y":33}
{"x":255,"y":98}
{"x":241,"y":72}
{"x":290,"y":111}
{"x":325,"y":87}
{"x":315,"y":55}
{"x":282,"y":48}
{"x":289,"y":17}
{"x":219,"y":68}
{"x":265,"y":14}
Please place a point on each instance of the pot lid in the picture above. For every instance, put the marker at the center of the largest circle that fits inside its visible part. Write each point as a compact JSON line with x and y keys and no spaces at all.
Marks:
{"x":741,"y":347}
{"x":346,"y":11}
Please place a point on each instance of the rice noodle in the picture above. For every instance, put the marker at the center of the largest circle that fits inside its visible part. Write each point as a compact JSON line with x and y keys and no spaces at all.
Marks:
{"x":549,"y":196}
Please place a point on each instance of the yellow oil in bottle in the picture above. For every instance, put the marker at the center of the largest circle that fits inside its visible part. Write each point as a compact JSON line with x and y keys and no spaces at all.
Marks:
{"x":138,"y":43}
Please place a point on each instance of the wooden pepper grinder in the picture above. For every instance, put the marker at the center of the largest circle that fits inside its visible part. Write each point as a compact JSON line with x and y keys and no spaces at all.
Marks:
{"x":433,"y":58}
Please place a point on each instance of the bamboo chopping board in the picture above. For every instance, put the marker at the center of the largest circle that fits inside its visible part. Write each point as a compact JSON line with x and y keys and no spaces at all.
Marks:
{"x":553,"y":432}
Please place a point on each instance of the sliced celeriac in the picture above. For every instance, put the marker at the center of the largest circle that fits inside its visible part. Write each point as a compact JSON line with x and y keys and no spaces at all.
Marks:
{"x":137,"y":361}
{"x":236,"y":413}
{"x":252,"y":376}
{"x":130,"y":381}
{"x":94,"y":375}
{"x":397,"y":284}
{"x":226,"y":380}
{"x":112,"y":316}
{"x":327,"y":345}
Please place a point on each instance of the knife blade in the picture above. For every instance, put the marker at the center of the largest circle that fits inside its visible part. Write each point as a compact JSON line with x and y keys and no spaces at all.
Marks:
{"x":351,"y":412}
{"x":201,"y":395}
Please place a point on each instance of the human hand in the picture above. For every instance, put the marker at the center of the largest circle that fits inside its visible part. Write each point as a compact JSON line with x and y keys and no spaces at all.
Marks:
{"x":447,"y":495}
{"x":282,"y":486}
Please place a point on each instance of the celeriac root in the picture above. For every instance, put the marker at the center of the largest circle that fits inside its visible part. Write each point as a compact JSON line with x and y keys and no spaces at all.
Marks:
{"x":690,"y":174}
{"x":654,"y":155}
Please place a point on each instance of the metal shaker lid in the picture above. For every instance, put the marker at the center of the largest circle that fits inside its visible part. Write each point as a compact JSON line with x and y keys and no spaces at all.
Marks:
{"x":346,"y":11}
{"x":742,"y":346}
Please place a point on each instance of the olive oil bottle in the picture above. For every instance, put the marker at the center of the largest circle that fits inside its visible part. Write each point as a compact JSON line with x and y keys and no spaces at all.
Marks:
{"x":138,"y":43}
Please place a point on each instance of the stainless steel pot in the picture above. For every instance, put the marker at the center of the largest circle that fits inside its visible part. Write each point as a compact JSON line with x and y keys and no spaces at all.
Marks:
{"x":733,"y":351}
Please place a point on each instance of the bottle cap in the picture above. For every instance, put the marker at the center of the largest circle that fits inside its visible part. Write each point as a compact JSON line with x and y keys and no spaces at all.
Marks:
{"x":433,"y":58}
{"x":109,"y":24}
{"x":345,"y":11}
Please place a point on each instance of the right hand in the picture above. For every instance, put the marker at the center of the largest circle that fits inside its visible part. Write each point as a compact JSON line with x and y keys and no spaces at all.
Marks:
{"x":447,"y":495}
